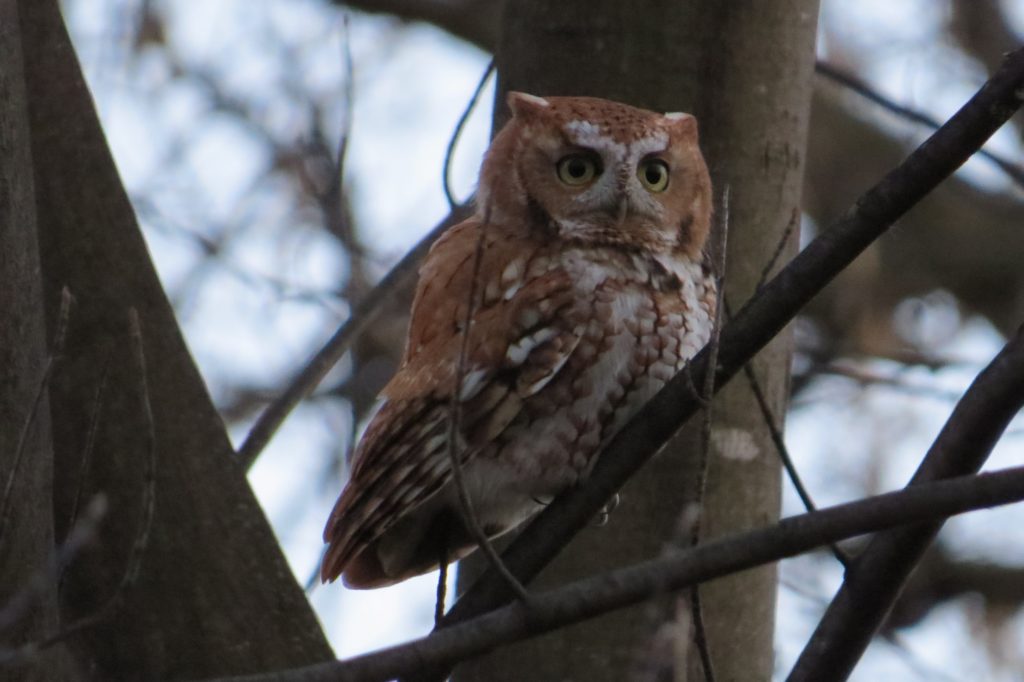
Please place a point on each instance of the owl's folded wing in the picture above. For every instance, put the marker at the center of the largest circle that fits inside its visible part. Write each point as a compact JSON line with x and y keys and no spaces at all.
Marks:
{"x":524,"y":329}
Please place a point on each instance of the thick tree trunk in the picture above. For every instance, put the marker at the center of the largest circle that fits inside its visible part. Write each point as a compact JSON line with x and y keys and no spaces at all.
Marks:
{"x":745,"y":70}
{"x":28,"y":611}
{"x":213,"y":594}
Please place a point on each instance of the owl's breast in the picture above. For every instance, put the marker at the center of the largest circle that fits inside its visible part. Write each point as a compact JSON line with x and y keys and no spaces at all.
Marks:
{"x":634,"y":337}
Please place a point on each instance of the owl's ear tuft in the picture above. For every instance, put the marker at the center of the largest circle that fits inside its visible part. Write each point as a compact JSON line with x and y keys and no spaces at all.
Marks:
{"x":682,"y":122}
{"x":526,"y":106}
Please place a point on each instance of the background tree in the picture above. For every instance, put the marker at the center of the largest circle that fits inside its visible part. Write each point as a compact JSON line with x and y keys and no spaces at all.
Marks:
{"x":669,"y":58}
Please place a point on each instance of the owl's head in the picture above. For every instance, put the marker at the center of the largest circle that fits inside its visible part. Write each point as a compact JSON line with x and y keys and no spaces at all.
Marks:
{"x":594,"y":171}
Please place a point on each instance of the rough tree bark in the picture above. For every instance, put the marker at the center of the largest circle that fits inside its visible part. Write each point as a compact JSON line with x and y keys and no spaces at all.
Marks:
{"x":213,"y":594}
{"x":745,"y":70}
{"x":26,"y":456}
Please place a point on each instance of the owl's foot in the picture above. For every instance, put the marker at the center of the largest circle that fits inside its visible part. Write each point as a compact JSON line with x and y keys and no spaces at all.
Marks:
{"x":606,"y":510}
{"x":691,"y":387}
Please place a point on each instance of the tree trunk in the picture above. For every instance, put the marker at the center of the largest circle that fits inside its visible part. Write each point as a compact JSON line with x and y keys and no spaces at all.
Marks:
{"x":744,"y":69}
{"x":27,"y":612}
{"x":213,"y":595}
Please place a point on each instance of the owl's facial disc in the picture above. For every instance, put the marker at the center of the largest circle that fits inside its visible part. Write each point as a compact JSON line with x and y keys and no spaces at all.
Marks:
{"x":633,"y":170}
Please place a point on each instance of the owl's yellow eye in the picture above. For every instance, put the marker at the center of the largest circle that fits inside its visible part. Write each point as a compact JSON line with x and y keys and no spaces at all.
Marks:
{"x":577,"y":169}
{"x":653,"y":174}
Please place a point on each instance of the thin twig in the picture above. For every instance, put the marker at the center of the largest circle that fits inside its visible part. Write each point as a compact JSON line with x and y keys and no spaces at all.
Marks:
{"x":446,"y":174}
{"x":148,"y":502}
{"x":147,"y":507}
{"x":56,"y":349}
{"x":90,"y":442}
{"x":700,"y":635}
{"x":313,"y":578}
{"x":866,"y":378}
{"x":783,"y":451}
{"x":82,"y":533}
{"x":780,"y":248}
{"x":1013,"y":170}
{"x":441,"y":595}
{"x":454,"y":419}
{"x":768,"y":417}
{"x":779,"y":441}
{"x":368,"y":310}
{"x":332,"y":200}
{"x":349,"y":90}
{"x":708,"y":389}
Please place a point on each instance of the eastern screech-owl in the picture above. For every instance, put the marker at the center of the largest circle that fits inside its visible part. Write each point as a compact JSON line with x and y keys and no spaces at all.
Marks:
{"x":590,"y":223}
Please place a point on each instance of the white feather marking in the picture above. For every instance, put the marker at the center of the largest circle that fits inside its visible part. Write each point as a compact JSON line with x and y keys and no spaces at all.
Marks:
{"x":439,"y":466}
{"x":518,"y":352}
{"x":587,"y":134}
{"x":544,"y":380}
{"x":677,"y":115}
{"x":472,"y":382}
{"x":410,"y":494}
{"x":512,"y":278}
{"x":582,"y":129}
{"x":655,"y":142}
{"x":512,"y":272}
{"x":435,"y":442}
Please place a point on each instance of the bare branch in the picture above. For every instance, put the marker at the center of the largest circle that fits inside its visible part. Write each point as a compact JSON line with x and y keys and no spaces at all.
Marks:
{"x":600,"y":594}
{"x":756,"y":324}
{"x":82,"y":533}
{"x":56,"y":348}
{"x":475,"y":21}
{"x":1013,"y":170}
{"x":780,"y":248}
{"x":865,"y":377}
{"x":780,"y":447}
{"x":320,"y":364}
{"x":90,"y":443}
{"x":875,"y":579}
{"x":446,"y":172}
{"x":720,"y":249}
{"x":455,"y":415}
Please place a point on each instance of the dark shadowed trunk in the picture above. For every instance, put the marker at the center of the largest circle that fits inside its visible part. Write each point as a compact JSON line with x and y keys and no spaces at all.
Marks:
{"x":28,"y":611}
{"x":213,"y":593}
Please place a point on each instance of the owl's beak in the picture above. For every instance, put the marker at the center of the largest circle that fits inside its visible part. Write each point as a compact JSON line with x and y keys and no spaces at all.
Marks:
{"x":623,"y":211}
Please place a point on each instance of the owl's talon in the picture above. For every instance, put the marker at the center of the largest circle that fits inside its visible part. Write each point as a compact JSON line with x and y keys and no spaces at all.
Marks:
{"x":692,"y":388}
{"x":606,"y":511}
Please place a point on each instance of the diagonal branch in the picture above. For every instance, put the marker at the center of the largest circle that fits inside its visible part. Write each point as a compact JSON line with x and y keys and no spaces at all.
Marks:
{"x":320,"y":364}
{"x":475,"y":21}
{"x":876,"y":577}
{"x":980,"y":417}
{"x":596,"y":595}
{"x":1012,"y":169}
{"x":755,"y":325}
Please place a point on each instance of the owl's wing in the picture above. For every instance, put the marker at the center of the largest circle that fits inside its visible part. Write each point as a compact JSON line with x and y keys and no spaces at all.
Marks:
{"x":524,"y":330}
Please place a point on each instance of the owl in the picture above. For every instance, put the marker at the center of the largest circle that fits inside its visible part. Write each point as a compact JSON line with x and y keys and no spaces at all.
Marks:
{"x":585,"y":254}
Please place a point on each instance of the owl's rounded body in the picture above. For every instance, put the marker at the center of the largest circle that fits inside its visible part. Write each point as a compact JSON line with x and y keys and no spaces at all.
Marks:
{"x":590,"y":294}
